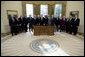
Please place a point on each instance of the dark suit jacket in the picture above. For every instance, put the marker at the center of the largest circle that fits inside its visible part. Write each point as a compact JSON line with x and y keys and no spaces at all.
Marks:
{"x":42,"y":21}
{"x":45,"y":21}
{"x":13,"y":22}
{"x":77,"y":21}
{"x":56,"y":21}
{"x":38,"y":20}
{"x":52,"y":21}
{"x":25,"y":21}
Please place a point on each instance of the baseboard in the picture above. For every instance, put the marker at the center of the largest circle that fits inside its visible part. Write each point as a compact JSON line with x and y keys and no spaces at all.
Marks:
{"x":5,"y":34}
{"x":81,"y":33}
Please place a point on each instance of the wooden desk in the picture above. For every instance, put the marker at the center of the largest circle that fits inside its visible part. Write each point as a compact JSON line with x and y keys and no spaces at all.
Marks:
{"x":43,"y":30}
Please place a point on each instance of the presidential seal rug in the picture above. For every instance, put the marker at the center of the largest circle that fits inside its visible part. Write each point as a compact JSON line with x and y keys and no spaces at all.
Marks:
{"x":44,"y":45}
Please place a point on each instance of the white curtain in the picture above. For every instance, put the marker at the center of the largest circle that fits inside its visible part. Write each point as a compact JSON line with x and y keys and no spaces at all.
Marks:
{"x":44,"y":10}
{"x":58,"y":10}
{"x":29,"y":10}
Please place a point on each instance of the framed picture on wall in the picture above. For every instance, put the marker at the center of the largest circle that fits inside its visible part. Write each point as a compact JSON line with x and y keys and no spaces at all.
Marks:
{"x":12,"y":12}
{"x":74,"y":13}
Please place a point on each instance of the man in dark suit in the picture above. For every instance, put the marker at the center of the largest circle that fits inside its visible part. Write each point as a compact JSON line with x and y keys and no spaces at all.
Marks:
{"x":56,"y":21}
{"x":76,"y":24}
{"x":41,"y":22}
{"x":38,"y":20}
{"x":11,"y":24}
{"x":16,"y":24}
{"x":72,"y":24}
{"x":20,"y":23}
{"x":25,"y":23}
{"x":52,"y":20}
{"x":67,"y":24}
{"x":34,"y":22}
{"x":45,"y":20}
{"x":31,"y":22}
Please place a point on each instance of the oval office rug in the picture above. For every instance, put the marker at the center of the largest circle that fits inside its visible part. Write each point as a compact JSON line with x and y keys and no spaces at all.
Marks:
{"x":44,"y":45}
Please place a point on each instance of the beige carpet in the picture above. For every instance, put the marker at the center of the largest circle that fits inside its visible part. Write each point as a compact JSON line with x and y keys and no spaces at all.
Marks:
{"x":19,"y":45}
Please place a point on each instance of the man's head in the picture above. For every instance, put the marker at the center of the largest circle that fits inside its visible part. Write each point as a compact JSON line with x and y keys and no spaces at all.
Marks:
{"x":41,"y":15}
{"x":34,"y":16}
{"x":52,"y":15}
{"x":38,"y":15}
{"x":29,"y":15}
{"x":46,"y":16}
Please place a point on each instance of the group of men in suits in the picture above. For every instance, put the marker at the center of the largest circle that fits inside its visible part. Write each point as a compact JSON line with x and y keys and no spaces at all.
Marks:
{"x":70,"y":25}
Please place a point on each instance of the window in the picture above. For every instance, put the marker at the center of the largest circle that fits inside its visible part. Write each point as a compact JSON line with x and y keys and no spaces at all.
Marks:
{"x":44,"y":10}
{"x":58,"y":10}
{"x":29,"y":10}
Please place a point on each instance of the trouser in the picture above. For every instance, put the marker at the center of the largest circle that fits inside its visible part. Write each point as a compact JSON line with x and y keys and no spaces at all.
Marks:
{"x":19,"y":28}
{"x":67,"y":29}
{"x":75,"y":29}
{"x":13,"y":30}
{"x":25,"y":28}
{"x":30,"y":27}
{"x":70,"y":29}
{"x":57,"y":27}
{"x":62,"y":28}
{"x":22,"y":27}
